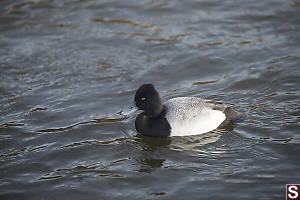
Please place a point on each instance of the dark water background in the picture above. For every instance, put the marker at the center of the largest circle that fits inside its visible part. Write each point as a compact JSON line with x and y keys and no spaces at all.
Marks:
{"x":69,"y":70}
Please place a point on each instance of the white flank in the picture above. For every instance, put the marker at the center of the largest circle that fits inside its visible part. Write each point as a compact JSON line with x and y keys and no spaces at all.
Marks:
{"x":190,"y":118}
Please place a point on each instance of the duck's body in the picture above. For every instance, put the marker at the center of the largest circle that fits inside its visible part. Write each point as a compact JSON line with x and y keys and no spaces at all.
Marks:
{"x":191,"y":115}
{"x":179,"y":116}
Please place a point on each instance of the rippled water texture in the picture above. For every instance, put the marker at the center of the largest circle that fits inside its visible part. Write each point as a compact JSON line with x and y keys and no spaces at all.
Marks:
{"x":69,"y":70}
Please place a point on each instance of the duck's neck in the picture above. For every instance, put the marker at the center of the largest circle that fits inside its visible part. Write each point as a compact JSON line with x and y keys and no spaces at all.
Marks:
{"x":158,"y":113}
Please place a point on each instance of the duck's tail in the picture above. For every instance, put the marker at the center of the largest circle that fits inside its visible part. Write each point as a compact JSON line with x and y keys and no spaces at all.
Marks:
{"x":231,"y":114}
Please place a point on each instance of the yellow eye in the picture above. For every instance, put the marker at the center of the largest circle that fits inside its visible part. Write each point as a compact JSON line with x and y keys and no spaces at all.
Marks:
{"x":143,"y":98}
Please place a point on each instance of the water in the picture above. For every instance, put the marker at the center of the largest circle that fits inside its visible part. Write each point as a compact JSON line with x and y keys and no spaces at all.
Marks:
{"x":69,"y":71}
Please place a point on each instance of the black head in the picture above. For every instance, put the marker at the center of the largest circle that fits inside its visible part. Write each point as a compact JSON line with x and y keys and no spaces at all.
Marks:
{"x":148,"y":99}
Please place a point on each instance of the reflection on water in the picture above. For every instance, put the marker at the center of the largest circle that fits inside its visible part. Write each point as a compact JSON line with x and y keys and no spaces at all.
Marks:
{"x":206,"y":145}
{"x":69,"y":71}
{"x":150,"y":155}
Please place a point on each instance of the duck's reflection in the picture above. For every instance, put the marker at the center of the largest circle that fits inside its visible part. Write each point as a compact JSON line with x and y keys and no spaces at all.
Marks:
{"x":154,"y":151}
{"x":151,"y":155}
{"x":153,"y":143}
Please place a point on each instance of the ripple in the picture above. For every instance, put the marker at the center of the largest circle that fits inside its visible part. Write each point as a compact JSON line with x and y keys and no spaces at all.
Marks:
{"x":285,"y":140}
{"x":14,"y":153}
{"x":12,"y":124}
{"x":94,"y":121}
{"x":161,"y":40}
{"x":94,"y":142}
{"x":205,"y":82}
{"x":50,"y":177}
{"x":122,"y":21}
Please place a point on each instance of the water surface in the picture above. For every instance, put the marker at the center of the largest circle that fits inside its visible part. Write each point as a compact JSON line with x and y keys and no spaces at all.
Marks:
{"x":69,"y":71}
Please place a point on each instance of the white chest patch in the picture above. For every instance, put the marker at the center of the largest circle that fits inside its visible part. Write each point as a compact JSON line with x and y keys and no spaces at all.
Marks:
{"x":189,"y":117}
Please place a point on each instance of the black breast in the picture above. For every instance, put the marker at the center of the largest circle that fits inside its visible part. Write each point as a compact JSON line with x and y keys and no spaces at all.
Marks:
{"x":153,"y":126}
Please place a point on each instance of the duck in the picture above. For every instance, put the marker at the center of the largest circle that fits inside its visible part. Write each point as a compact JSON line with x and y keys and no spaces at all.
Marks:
{"x":179,"y":116}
